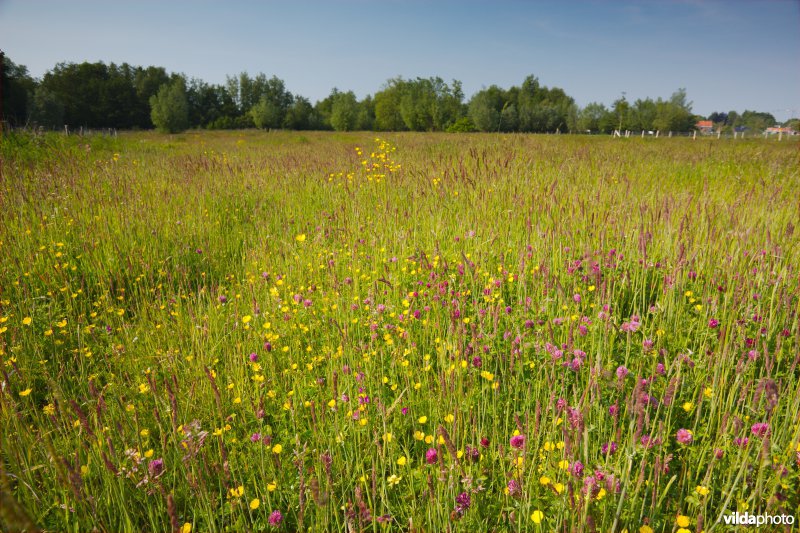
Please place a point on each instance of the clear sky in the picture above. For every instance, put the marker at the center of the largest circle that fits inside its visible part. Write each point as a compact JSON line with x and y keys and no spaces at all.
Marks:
{"x":729,"y":55}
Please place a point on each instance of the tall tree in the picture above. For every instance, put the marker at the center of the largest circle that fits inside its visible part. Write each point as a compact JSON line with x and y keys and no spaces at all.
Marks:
{"x":18,"y":90}
{"x":169,"y":108}
{"x":344,"y":111}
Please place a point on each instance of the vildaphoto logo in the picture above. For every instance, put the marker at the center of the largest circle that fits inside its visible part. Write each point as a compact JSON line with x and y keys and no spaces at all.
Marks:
{"x":747,"y":519}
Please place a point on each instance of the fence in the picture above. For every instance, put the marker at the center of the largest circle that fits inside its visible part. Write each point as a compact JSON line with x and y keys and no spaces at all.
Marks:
{"x":695,"y":134}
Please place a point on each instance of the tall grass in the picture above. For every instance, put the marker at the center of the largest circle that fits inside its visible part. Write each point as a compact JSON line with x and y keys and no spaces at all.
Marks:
{"x":247,"y":331}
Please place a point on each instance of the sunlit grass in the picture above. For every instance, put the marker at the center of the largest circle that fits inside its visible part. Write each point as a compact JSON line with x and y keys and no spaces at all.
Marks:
{"x":330,"y":331}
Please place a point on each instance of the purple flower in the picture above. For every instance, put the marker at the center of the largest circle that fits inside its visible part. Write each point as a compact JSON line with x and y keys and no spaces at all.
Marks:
{"x":576,"y":298}
{"x":713,"y":323}
{"x":477,"y":362}
{"x":222,"y":299}
{"x":576,"y":468}
{"x":473,"y":453}
{"x":514,"y":488}
{"x":463,"y":501}
{"x":718,"y":453}
{"x":156,"y":467}
{"x":590,"y":486}
{"x":622,"y":372}
{"x":275,"y":518}
{"x":517,"y":441}
{"x":613,"y":410}
{"x":660,"y":369}
{"x":630,"y":327}
{"x":684,"y":436}
{"x":484,"y":442}
{"x":253,"y":357}
{"x":760,"y":430}
{"x":609,"y":447}
{"x":741,"y":441}
{"x":255,"y":437}
{"x":431,"y":456}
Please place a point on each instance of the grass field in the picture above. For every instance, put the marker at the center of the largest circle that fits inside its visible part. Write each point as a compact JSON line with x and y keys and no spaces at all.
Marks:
{"x":430,"y":332}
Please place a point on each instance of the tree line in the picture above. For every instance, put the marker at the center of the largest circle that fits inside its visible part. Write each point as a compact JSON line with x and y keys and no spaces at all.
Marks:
{"x":100,"y":95}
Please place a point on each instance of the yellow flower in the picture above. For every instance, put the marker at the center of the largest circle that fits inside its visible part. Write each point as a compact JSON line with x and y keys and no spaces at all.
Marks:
{"x":254,"y":504}
{"x":683,"y":530}
{"x":422,"y":419}
{"x":419,"y":435}
{"x":272,"y":486}
{"x":144,"y":433}
{"x":49,"y":409}
{"x":537,"y":516}
{"x":682,"y":521}
{"x":701,"y":490}
{"x":25,"y":392}
{"x":27,"y":321}
{"x":187,"y":528}
{"x":301,"y":237}
{"x":149,"y":453}
{"x":688,"y":406}
{"x":246,"y":319}
{"x":387,"y":437}
{"x":544,"y":480}
{"x":449,"y":419}
{"x":645,"y":529}
{"x":393,"y":480}
{"x":559,"y":488}
{"x":401,"y":461}
{"x":277,"y":449}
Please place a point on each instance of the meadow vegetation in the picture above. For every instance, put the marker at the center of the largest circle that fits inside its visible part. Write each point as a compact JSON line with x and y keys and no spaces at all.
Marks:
{"x":329,"y":331}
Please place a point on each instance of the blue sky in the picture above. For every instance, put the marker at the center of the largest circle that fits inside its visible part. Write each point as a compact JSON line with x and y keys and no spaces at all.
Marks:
{"x":727,"y":54}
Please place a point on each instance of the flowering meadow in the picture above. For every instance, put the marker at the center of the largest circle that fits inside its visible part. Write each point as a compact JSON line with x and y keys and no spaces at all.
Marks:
{"x":427,"y":332}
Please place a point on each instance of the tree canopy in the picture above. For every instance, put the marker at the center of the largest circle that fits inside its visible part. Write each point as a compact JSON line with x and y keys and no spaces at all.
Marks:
{"x":100,"y":95}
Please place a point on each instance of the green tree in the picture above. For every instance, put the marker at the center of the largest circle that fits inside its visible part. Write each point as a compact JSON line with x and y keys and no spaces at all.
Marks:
{"x":47,"y":111}
{"x":265,"y":114}
{"x":387,"y":106}
{"x":169,"y":109}
{"x":485,"y":108}
{"x":366,"y":114}
{"x":344,"y":111}
{"x":18,"y":91}
{"x":300,"y":115}
{"x":590,"y":117}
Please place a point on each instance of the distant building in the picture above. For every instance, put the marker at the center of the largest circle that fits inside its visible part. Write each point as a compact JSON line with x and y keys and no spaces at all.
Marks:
{"x":778,"y":129}
{"x":705,"y":126}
